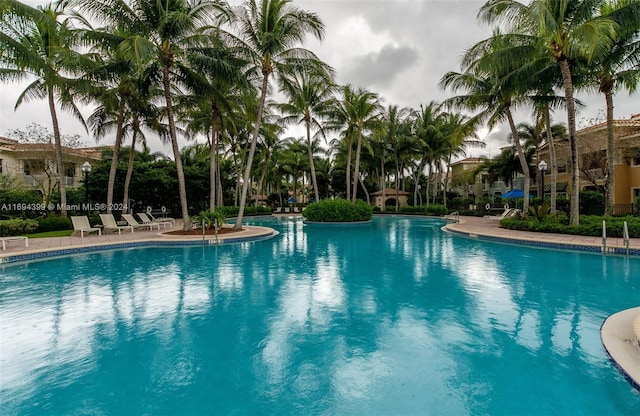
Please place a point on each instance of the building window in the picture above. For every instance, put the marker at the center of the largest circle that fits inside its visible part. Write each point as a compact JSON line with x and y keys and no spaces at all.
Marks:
{"x":0,"y":166}
{"x":635,"y":161}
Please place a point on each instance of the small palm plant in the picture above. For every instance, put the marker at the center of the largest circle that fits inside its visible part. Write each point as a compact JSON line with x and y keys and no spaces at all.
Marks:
{"x":209,"y":219}
{"x":540,"y":213}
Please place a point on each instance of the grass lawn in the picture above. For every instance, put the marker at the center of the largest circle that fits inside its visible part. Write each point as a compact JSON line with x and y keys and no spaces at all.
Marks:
{"x":60,"y":233}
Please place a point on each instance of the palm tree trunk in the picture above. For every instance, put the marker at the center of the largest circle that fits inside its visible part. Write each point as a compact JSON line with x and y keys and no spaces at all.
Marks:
{"x":610,"y":182}
{"x":252,"y":151}
{"x":262,"y":176}
{"x":364,"y":188}
{"x":312,"y":166}
{"x":58,"y":147}
{"x":397,"y":179}
{"x":182,"y":190}
{"x":522,"y":158}
{"x":553,"y":162}
{"x":574,"y":215}
{"x":356,"y":168}
{"x":382,"y":182}
{"x":127,"y":180}
{"x":349,"y":151}
{"x":116,"y":156}
{"x":213,"y":153}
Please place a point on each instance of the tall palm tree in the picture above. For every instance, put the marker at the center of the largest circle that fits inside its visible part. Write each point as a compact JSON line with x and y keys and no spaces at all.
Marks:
{"x":567,"y":31}
{"x":309,"y":96}
{"x":493,"y":88}
{"x":396,"y":130}
{"x":272,"y":31}
{"x":430,"y":142}
{"x":40,"y":43}
{"x":161,"y":35}
{"x":617,"y":68}
{"x":459,"y":132}
{"x":355,"y":114}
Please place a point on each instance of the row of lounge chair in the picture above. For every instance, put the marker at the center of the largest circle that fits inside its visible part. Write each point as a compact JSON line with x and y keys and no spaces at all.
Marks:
{"x":286,"y":210}
{"x":81,"y":223}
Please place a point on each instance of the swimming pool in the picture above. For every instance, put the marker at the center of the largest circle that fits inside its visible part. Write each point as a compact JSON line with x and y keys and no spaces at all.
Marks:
{"x":391,"y":318}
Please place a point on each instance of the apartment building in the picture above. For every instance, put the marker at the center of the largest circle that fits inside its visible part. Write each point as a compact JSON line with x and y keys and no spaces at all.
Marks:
{"x":33,"y":165}
{"x":592,"y":145}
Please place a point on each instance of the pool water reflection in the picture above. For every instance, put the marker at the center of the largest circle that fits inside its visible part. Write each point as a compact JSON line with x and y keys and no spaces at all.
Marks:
{"x":392,"y":318}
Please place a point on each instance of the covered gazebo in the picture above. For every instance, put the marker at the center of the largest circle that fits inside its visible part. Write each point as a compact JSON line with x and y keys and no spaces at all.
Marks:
{"x":387,"y":197}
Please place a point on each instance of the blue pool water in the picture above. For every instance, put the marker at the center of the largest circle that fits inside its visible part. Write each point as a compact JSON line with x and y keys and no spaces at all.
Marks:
{"x":391,"y":318}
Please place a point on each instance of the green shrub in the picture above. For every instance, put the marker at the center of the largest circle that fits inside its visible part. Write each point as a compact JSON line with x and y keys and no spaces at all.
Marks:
{"x":590,"y":225}
{"x":437,"y":210}
{"x":338,"y":210}
{"x":209,"y":218}
{"x":433,"y":209}
{"x":411,"y":209}
{"x":20,"y":203}
{"x":17,"y":226}
{"x":54,"y":222}
{"x":229,"y":211}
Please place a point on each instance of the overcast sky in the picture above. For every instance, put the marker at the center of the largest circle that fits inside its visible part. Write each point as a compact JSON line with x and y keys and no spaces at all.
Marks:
{"x":397,"y":48}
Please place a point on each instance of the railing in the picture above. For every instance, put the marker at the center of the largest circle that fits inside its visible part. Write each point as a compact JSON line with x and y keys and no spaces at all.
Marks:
{"x":455,"y":215}
{"x":623,"y":209}
{"x":625,"y":236}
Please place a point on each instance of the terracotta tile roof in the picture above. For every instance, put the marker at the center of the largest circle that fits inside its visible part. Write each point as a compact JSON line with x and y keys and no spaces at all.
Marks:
{"x":14,"y":145}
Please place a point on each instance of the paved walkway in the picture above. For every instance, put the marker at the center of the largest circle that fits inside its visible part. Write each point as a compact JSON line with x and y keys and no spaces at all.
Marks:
{"x":475,"y":226}
{"x":49,"y":244}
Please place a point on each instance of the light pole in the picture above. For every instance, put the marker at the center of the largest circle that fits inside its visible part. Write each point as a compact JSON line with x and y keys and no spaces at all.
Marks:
{"x":86,"y":168}
{"x":543,"y":167}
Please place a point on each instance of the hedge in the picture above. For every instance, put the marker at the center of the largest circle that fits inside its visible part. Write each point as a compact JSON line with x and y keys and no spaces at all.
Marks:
{"x":338,"y":210}
{"x":17,"y":226}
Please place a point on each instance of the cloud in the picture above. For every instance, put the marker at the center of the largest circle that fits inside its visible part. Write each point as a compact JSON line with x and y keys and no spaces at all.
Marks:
{"x":379,"y":69}
{"x":399,"y":49}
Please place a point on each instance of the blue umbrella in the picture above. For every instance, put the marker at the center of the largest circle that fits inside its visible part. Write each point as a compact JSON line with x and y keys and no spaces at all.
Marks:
{"x":515,"y":193}
{"x":292,"y":200}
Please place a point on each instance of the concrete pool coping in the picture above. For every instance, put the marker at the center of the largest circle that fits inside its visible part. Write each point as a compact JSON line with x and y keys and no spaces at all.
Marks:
{"x":40,"y":248}
{"x":620,"y":335}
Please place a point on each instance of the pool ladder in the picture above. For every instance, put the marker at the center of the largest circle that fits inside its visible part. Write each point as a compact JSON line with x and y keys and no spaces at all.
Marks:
{"x":455,"y":215}
{"x":625,"y":236}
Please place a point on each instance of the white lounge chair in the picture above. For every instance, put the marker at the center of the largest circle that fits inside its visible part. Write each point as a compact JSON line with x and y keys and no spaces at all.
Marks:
{"x":162,"y":219}
{"x":278,"y":210}
{"x":110,"y":224}
{"x":135,"y":224}
{"x":510,"y":212}
{"x":81,"y":223}
{"x":147,"y":221}
{"x":14,"y":238}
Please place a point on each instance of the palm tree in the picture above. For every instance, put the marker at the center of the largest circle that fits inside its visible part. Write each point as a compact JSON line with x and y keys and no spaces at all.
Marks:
{"x":272,"y":31}
{"x":162,"y":36}
{"x":355,"y":113}
{"x":430,"y":143}
{"x":459,"y":132}
{"x":394,"y":122}
{"x":614,"y":69}
{"x":568,"y":32}
{"x":38,"y":43}
{"x":493,"y":89}
{"x":309,"y":97}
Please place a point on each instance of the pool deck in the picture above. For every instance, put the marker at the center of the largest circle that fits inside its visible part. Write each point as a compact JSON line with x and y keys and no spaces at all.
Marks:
{"x":64,"y":245}
{"x":475,"y":227}
{"x":621,"y":339}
